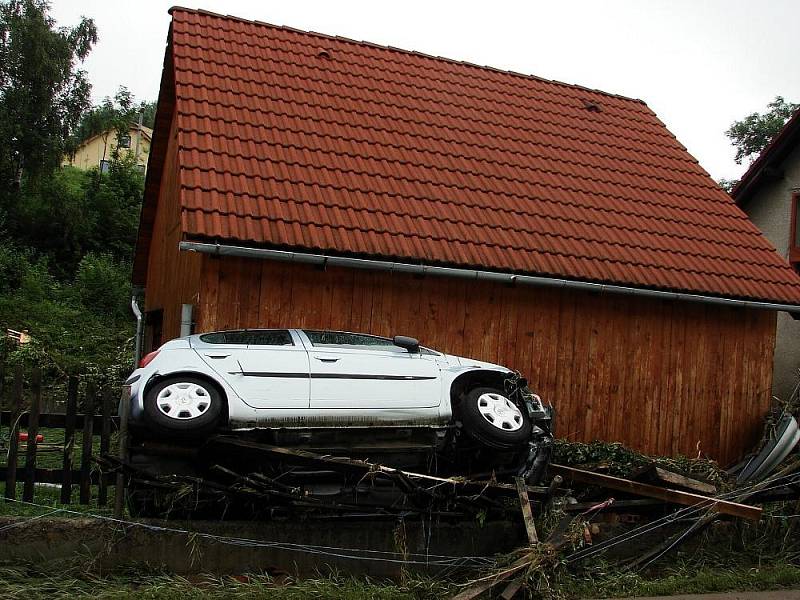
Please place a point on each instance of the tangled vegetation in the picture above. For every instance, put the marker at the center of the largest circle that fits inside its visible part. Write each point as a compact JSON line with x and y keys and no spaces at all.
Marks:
{"x":617,"y":459}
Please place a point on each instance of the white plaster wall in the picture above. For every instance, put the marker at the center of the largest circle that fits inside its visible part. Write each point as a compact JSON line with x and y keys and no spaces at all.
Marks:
{"x":770,"y":210}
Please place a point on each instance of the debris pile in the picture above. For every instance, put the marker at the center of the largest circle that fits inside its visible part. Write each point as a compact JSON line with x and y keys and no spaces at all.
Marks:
{"x":240,"y":478}
{"x":666,"y":506}
{"x":587,"y":509}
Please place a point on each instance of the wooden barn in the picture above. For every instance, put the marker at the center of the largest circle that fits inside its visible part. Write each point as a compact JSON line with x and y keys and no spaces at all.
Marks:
{"x":302,"y":180}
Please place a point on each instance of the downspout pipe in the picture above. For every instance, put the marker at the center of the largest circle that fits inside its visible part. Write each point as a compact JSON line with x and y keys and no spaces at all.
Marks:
{"x":137,"y":353}
{"x":186,"y":319}
{"x":509,"y":278}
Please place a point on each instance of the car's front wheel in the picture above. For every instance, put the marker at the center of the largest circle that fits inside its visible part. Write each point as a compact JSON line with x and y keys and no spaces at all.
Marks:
{"x":490,"y":417}
{"x":183,"y":404}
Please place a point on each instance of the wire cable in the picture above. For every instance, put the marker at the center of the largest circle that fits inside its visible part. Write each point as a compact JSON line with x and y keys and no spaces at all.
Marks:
{"x":680,"y":515}
{"x":337,"y":552}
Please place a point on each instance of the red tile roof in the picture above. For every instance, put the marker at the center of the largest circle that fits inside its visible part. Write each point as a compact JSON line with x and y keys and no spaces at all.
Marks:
{"x":297,"y":140}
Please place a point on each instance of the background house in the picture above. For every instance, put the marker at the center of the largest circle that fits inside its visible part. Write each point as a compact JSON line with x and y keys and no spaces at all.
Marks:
{"x":302,"y":180}
{"x":97,"y":150}
{"x":769,"y":192}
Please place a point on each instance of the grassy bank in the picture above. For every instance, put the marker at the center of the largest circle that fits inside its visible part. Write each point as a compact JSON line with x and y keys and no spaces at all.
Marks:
{"x":72,"y":582}
{"x":728,"y":556}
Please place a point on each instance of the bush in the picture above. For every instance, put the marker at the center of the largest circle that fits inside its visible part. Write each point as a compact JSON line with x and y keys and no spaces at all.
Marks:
{"x":103,"y":285}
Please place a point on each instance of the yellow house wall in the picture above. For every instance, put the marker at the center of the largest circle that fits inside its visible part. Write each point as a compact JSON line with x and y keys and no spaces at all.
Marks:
{"x":100,"y":147}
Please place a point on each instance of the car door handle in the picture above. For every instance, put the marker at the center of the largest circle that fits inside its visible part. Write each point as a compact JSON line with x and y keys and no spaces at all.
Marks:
{"x":326,"y":359}
{"x":217,"y":355}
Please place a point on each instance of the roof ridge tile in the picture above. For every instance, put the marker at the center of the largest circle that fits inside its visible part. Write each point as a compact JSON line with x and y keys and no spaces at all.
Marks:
{"x":174,"y":9}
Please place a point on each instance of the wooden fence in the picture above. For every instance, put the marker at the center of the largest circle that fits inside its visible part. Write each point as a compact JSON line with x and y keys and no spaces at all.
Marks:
{"x":88,"y":413}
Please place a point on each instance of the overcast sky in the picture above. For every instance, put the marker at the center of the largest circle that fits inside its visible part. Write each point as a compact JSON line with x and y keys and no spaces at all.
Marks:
{"x":699,"y":64}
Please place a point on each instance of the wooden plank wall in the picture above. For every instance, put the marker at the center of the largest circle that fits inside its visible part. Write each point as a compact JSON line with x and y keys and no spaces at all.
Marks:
{"x":662,"y":376}
{"x":172,"y":276}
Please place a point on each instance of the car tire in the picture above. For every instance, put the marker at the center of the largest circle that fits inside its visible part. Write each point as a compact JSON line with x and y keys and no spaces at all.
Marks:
{"x":492,"y":419}
{"x":185,"y":405}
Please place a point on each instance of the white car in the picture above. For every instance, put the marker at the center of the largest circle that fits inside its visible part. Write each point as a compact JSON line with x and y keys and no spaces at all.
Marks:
{"x":309,"y":379}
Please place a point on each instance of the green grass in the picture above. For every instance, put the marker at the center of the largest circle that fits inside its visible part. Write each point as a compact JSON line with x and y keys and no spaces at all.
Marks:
{"x":50,"y":455}
{"x":20,"y":582}
{"x":50,"y":497}
{"x":73,"y":581}
{"x":612,"y":584}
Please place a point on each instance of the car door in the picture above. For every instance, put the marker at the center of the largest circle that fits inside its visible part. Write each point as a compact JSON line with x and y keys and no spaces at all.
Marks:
{"x":267,"y":368}
{"x":354,"y":371}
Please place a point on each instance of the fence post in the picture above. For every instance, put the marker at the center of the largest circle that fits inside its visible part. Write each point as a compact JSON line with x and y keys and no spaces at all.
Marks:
{"x":105,"y":445}
{"x":119,"y":488}
{"x":69,"y":439}
{"x":13,"y":435}
{"x":2,"y":389}
{"x":33,"y":431}
{"x":89,"y":401}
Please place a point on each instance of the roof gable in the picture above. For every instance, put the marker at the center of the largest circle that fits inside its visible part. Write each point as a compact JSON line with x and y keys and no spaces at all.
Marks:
{"x":146,"y":133}
{"x":764,"y":167}
{"x":296,"y":140}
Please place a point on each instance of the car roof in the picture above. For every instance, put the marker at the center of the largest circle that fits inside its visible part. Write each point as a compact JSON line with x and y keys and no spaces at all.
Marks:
{"x":256,"y":329}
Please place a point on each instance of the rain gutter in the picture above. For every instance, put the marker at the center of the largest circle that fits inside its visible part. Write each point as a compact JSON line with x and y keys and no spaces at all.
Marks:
{"x":508,"y":278}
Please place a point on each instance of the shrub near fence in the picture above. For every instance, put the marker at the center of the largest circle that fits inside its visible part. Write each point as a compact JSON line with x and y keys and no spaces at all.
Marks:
{"x":89,"y":413}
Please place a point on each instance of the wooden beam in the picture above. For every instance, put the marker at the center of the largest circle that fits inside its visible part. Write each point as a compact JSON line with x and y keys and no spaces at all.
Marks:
{"x":512,"y":589}
{"x":651,"y":491}
{"x":616,"y":506}
{"x":527,"y":514}
{"x":59,"y":420}
{"x":33,"y":431}
{"x":57,"y":476}
{"x":13,"y":439}
{"x":69,"y":439}
{"x":686,"y":482}
{"x":360,"y":466}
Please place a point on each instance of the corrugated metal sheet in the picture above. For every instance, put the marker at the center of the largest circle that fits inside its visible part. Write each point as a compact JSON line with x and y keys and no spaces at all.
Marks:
{"x":295,"y":139}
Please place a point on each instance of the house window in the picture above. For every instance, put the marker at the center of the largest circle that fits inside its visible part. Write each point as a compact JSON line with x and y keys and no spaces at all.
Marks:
{"x":124,"y":141}
{"x":794,"y":233}
{"x":105,"y":166}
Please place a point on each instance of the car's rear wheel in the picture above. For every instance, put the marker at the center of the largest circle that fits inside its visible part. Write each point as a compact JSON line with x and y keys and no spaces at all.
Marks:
{"x":490,"y":417}
{"x":189,"y":405}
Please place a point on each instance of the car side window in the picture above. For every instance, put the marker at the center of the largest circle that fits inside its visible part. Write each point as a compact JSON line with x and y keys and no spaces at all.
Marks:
{"x":254,"y":337}
{"x":270,"y":337}
{"x":358,"y":341}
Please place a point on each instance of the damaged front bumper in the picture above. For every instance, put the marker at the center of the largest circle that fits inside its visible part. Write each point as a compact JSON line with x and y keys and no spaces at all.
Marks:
{"x":540,"y":445}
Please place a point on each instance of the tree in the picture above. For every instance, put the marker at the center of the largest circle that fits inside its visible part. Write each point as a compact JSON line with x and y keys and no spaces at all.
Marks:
{"x":753,"y":133}
{"x":70,"y":212}
{"x":42,"y":94}
{"x":727,"y":184}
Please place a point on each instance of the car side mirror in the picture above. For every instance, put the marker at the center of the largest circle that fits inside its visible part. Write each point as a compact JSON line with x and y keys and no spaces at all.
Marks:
{"x":409,"y":343}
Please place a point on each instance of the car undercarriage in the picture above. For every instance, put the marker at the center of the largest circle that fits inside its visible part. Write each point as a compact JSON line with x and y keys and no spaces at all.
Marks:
{"x":327,"y":465}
